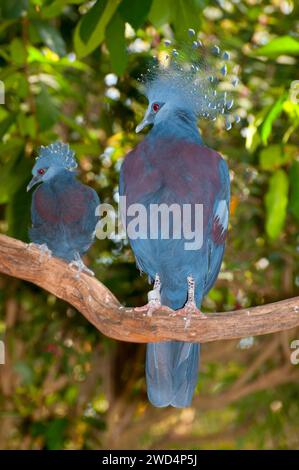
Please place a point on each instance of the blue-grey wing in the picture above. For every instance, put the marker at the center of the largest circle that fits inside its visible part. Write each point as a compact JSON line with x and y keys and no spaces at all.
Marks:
{"x":90,"y":218}
{"x":216,"y":242}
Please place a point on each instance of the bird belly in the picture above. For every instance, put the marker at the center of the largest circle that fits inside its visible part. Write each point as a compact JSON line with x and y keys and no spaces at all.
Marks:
{"x":168,"y":256}
{"x":61,"y":220}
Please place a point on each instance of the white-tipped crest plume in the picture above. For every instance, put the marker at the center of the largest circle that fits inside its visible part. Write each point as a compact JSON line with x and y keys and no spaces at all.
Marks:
{"x":59,"y":154}
{"x":196,"y":76}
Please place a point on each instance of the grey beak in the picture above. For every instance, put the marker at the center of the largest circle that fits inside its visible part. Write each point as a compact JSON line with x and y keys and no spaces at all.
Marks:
{"x":145,"y":122}
{"x":33,"y":181}
{"x":148,"y":119}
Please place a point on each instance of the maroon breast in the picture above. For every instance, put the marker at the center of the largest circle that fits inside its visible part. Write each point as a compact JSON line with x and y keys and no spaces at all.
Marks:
{"x":67,"y":206}
{"x":188,"y":172}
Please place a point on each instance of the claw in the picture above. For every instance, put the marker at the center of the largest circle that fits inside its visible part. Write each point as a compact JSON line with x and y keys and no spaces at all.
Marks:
{"x":190,"y":307}
{"x":154,"y":299}
{"x":80,"y":266}
{"x":44,"y":250}
{"x":188,"y":310}
{"x":151,"y":307}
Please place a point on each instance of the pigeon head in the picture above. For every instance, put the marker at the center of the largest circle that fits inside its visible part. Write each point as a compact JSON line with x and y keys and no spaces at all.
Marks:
{"x":167,"y":93}
{"x":151,"y":116}
{"x":192,"y":81}
{"x":50,"y":161}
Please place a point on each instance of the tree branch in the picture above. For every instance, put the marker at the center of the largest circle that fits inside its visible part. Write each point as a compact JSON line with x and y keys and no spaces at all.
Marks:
{"x":90,"y":297}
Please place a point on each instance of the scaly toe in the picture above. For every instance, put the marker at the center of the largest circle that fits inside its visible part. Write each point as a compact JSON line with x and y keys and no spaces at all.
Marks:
{"x":80,"y":266}
{"x":87,"y":270}
{"x":151,"y":307}
{"x":43,"y":249}
{"x":188,"y":310}
{"x":144,"y":308}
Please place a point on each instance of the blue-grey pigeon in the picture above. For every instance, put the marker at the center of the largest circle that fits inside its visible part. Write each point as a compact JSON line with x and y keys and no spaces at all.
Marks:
{"x":63,"y":210}
{"x":172,"y":166}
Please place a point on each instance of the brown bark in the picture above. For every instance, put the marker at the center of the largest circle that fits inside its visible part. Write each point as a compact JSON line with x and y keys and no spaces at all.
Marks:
{"x":90,"y":297}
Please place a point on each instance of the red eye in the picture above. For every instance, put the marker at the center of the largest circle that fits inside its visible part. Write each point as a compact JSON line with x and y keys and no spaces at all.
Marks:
{"x":41,"y":171}
{"x":155,"y":107}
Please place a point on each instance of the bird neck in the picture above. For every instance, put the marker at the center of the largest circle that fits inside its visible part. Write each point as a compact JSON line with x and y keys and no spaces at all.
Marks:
{"x":180,"y":124}
{"x":61,"y":177}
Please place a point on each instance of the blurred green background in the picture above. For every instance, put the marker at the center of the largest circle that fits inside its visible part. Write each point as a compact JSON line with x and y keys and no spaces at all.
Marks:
{"x":70,"y":71}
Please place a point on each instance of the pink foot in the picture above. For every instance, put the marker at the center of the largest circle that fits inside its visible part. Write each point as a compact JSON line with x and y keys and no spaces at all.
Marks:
{"x":188,"y":311}
{"x":154,"y":299}
{"x":151,"y":307}
{"x":190,"y":307}
{"x":43,"y":249}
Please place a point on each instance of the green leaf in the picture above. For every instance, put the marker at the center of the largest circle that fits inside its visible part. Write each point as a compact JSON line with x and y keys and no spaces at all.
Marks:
{"x":294,"y":189}
{"x":5,"y":24}
{"x":6,"y":123}
{"x":16,"y":84}
{"x":160,"y":12}
{"x":18,"y":208}
{"x":10,"y":9}
{"x":253,"y":138}
{"x":81,"y":149}
{"x":27,"y":125}
{"x":135,"y":12}
{"x":185,"y":14}
{"x":276,"y":201}
{"x":18,"y":52}
{"x":89,"y":22}
{"x":290,"y":106}
{"x":57,"y":7}
{"x":273,"y":113}
{"x":116,"y":44}
{"x":34,"y":55}
{"x":55,"y":432}
{"x":71,"y":394}
{"x":73,"y":124}
{"x":275,"y":156}
{"x":46,"y":110}
{"x":286,"y":45}
{"x":15,"y":172}
{"x":90,"y":31}
{"x":50,"y":36}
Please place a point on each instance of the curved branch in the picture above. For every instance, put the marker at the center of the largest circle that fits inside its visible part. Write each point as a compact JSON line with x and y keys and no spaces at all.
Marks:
{"x":90,"y":297}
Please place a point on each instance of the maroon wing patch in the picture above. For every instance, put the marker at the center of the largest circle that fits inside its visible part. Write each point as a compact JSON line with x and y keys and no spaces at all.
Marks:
{"x":189,"y":173}
{"x":45,"y":205}
{"x":67,"y":206}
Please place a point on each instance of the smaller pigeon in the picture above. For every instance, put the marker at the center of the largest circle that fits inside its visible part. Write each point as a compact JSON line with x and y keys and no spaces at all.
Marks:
{"x":63,"y":210}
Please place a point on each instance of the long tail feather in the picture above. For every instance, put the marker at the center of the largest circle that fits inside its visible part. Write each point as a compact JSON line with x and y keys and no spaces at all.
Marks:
{"x":185,"y":373}
{"x":171,"y":373}
{"x":159,"y":365}
{"x":172,"y":367}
